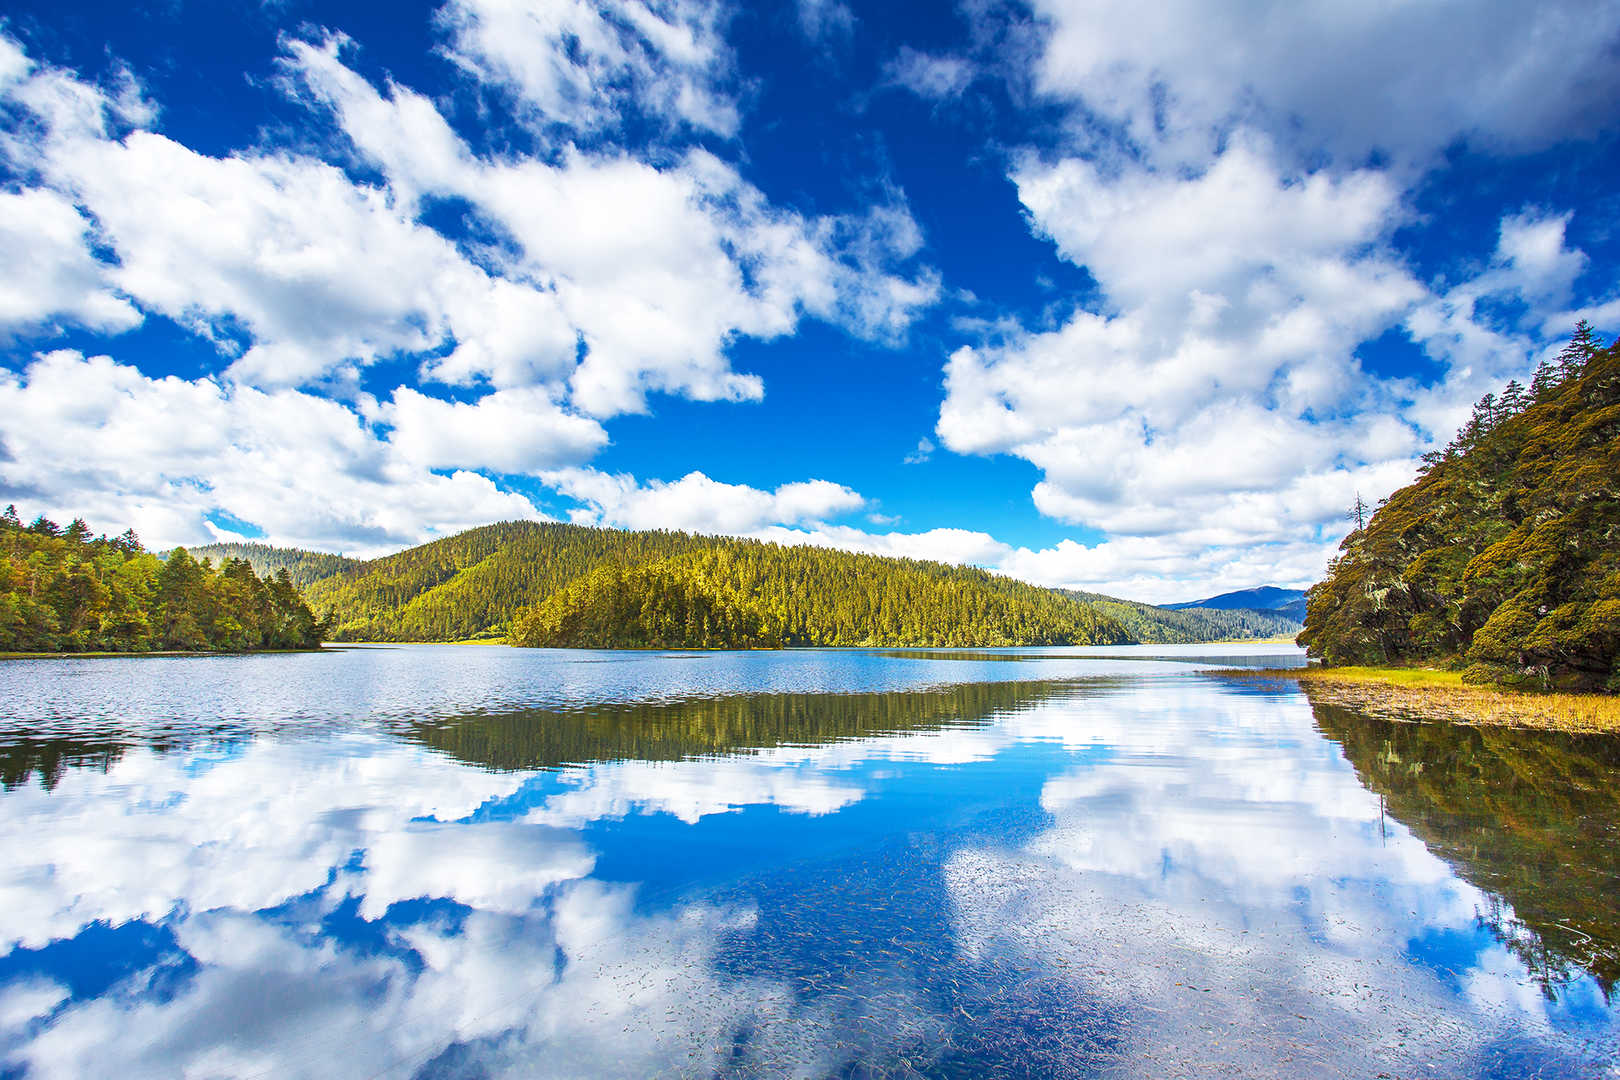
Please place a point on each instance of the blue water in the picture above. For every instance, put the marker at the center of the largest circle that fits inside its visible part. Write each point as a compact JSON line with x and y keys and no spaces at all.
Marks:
{"x":475,"y":861}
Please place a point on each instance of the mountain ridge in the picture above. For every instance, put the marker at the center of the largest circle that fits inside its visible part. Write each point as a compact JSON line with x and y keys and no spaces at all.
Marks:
{"x":1289,"y":602}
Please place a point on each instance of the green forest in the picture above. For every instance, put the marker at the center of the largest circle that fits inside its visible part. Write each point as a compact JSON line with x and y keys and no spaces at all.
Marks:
{"x":570,"y":585}
{"x":1504,"y":555}
{"x":743,"y":594}
{"x":64,"y":590}
{"x":304,"y":567}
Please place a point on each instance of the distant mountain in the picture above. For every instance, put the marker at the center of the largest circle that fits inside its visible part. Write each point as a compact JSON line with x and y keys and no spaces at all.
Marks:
{"x":1289,"y":603}
{"x":592,"y":586}
{"x":1184,"y":626}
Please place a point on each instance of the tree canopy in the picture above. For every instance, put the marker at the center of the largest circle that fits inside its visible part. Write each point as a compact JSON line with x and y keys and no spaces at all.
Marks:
{"x":1504,"y":554}
{"x":62,"y":590}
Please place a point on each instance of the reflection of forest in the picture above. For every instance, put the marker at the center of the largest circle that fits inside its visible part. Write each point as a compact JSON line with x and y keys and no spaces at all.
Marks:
{"x":698,"y":727}
{"x":1530,"y":817}
{"x":51,"y":758}
{"x":650,"y":731}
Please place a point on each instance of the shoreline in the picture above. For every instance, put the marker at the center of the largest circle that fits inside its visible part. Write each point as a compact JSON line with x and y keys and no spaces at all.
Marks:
{"x":1428,"y":695}
{"x":102,"y":654}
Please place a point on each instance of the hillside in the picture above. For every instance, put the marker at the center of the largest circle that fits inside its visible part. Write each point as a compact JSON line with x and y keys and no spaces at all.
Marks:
{"x":1289,"y":603}
{"x":1505,"y":553}
{"x":304,"y":567}
{"x":477,"y":583}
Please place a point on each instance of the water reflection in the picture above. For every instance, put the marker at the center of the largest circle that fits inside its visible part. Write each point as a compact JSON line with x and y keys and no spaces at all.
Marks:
{"x":1148,"y":873}
{"x":713,"y":726}
{"x":1531,"y":818}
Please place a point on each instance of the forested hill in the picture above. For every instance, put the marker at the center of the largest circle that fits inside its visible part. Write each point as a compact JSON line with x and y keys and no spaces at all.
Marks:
{"x":570,"y":584}
{"x":304,"y":567}
{"x":1505,"y":553}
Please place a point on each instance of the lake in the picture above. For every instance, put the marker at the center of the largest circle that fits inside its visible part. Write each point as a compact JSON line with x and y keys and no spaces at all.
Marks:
{"x":473,"y":861}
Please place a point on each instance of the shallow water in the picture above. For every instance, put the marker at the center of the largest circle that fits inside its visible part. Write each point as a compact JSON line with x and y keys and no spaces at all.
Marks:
{"x":477,"y":861}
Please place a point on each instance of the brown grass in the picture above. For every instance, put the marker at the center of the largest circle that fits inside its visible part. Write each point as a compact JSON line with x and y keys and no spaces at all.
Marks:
{"x":1428,"y":694}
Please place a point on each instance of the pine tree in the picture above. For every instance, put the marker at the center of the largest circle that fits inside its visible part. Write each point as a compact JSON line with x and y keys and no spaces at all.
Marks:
{"x":1584,"y":343}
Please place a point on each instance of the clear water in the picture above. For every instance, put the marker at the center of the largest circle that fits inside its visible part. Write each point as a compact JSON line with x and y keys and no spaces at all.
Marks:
{"x":479,"y":862}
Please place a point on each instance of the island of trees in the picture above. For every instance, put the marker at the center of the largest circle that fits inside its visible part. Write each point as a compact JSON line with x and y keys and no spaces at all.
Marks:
{"x":1504,"y":555}
{"x":64,"y":590}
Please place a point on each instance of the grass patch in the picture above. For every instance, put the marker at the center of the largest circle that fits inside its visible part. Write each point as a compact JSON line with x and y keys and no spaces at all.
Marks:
{"x":1431,"y":694}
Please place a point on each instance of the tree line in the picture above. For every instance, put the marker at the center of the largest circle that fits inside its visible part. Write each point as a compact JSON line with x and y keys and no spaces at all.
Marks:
{"x":1504,"y":555}
{"x":64,"y":590}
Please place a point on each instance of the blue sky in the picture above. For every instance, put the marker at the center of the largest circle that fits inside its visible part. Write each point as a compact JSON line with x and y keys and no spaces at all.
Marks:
{"x":1099,"y":297}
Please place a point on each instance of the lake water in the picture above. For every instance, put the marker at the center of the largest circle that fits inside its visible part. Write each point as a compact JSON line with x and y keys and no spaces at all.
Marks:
{"x":443,"y":861}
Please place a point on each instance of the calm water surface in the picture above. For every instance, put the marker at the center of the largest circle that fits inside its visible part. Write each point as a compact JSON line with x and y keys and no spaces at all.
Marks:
{"x":441,"y":861}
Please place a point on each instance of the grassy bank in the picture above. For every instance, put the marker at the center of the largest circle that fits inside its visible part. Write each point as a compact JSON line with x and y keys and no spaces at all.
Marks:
{"x":1429,"y":694}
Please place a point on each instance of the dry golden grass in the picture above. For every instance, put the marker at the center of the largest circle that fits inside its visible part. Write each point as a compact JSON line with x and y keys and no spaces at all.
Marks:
{"x":1427,"y":694}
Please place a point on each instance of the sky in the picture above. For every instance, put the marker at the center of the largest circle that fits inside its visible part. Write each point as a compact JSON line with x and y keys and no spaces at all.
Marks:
{"x":1128,"y":298}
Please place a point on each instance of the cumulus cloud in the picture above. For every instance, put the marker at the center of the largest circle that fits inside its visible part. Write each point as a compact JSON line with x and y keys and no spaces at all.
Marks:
{"x":1353,"y":78}
{"x":45,"y":233}
{"x":585,"y":66}
{"x":698,"y":504}
{"x":1213,"y":406}
{"x":1217,"y":401}
{"x":1233,"y":183}
{"x":160,"y":455}
{"x":621,"y":277}
{"x":508,"y":431}
{"x":657,"y":267}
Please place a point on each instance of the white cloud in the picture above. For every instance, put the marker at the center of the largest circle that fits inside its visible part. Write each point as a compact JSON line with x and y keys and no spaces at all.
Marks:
{"x":1217,"y":401}
{"x":161,"y":454}
{"x":695,"y":503}
{"x":1211,"y":416}
{"x":316,"y":273}
{"x":622,"y":277}
{"x":585,"y":65}
{"x":656,"y":267}
{"x":824,"y":20}
{"x":43,"y":231}
{"x":509,"y":431}
{"x":929,"y":76}
{"x":1407,"y":78}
